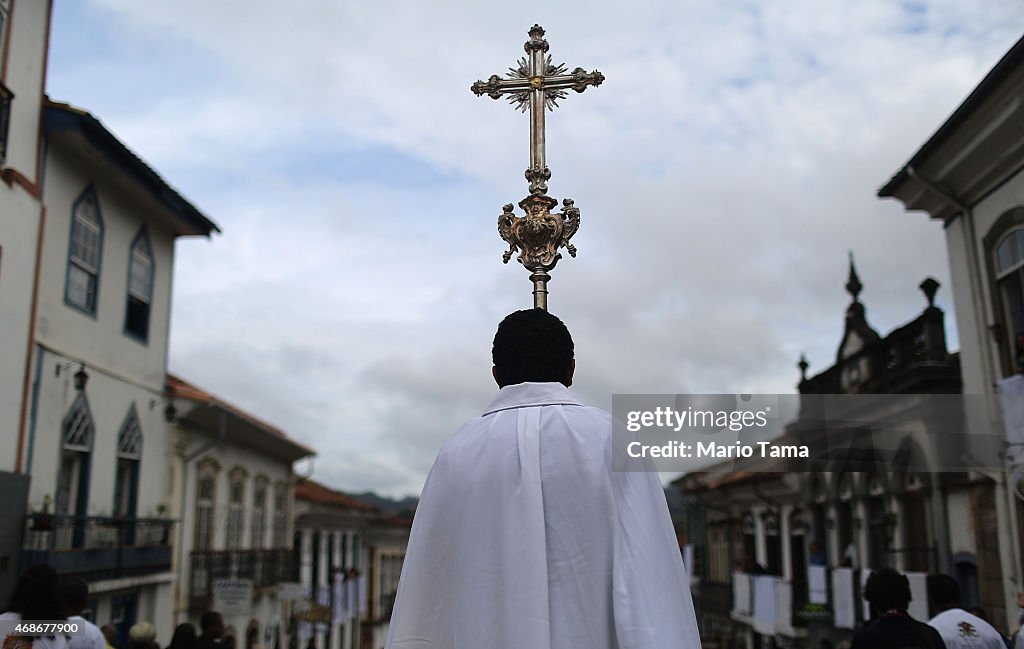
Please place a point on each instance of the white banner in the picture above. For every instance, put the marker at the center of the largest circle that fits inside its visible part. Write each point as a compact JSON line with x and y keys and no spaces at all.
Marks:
{"x":842,"y":598}
{"x":817,"y":584}
{"x":918,"y":596}
{"x":338,"y":612}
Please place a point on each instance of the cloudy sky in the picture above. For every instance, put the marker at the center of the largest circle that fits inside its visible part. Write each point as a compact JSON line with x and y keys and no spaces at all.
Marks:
{"x":723,"y":171}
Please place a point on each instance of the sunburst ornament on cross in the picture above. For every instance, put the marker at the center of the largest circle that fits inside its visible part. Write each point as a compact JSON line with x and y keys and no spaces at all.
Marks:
{"x":534,"y":85}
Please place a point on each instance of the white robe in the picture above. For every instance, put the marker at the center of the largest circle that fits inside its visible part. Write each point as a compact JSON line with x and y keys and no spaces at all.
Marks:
{"x":525,"y":538}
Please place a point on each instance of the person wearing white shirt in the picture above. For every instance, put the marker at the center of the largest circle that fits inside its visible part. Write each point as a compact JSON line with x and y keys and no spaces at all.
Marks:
{"x":89,"y":636}
{"x":958,"y":628}
{"x":36,"y":598}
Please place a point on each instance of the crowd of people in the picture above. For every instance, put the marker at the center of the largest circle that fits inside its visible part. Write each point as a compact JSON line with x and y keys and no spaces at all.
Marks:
{"x":952,"y":626}
{"x":41,"y":595}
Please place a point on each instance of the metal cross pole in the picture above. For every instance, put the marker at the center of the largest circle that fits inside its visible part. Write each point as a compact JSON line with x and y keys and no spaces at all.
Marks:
{"x":534,"y":85}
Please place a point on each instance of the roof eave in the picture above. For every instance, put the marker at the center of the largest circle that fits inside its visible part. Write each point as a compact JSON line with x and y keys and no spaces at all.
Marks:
{"x":58,"y":117}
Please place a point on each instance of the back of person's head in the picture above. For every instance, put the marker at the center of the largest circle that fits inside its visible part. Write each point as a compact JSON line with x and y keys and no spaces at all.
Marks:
{"x":887,"y":590}
{"x":142,"y":635}
{"x":943,"y":593}
{"x":211,"y":624}
{"x":184,"y":637}
{"x":76,"y":594}
{"x":532,"y":345}
{"x":109,"y":634}
{"x":37,"y":595}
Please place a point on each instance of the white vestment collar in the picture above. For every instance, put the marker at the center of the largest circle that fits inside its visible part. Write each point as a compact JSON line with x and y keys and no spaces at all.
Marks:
{"x":525,"y":395}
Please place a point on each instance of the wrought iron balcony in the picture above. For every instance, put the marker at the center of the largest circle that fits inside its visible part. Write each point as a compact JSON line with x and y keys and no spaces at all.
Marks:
{"x":98,"y":547}
{"x":265,"y":568}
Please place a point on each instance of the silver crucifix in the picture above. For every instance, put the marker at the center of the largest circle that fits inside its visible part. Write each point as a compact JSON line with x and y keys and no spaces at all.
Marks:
{"x":534,"y":85}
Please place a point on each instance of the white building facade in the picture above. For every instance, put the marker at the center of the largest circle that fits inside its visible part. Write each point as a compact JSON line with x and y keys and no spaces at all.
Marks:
{"x":351,"y":558}
{"x":23,"y":30}
{"x":96,"y":438}
{"x":87,"y":236}
{"x":968,"y":175}
{"x":234,"y":484}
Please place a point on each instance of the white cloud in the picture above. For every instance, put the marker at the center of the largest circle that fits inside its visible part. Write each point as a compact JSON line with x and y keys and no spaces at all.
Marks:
{"x":723,"y":170}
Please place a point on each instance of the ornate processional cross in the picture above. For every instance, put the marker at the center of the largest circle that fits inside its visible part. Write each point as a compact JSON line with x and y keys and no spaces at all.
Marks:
{"x":535,"y":85}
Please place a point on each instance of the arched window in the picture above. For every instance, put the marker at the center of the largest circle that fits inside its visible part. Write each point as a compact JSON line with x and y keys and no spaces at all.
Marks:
{"x":259,"y":513}
{"x":236,"y":508}
{"x":73,"y":475}
{"x":85,"y":252}
{"x":1004,"y":246}
{"x":206,"y":502}
{"x":129,"y":454}
{"x":280,"y":515}
{"x":140,"y":287}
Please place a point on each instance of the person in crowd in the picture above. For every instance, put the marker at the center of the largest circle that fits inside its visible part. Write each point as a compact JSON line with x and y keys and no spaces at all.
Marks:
{"x":184,"y":637}
{"x":1017,"y":640}
{"x":230,"y":638}
{"x":958,"y":628}
{"x":211,"y":628}
{"x":37,"y":597}
{"x":888,"y":595}
{"x":76,"y":593}
{"x":143,"y":636}
{"x":110,"y":635}
{"x":818,"y":555}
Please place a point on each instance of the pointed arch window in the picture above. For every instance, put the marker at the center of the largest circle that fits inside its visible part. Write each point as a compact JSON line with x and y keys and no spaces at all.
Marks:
{"x":140,"y":287}
{"x":85,"y":253}
{"x":73,"y":474}
{"x":129,"y":456}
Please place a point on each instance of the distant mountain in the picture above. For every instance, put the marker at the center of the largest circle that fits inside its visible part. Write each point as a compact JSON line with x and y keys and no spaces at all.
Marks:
{"x":407,"y":504}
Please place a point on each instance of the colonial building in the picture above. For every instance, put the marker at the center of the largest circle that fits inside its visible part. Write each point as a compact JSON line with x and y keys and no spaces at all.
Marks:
{"x":784,"y":547}
{"x":233,"y":483}
{"x":22,"y":77}
{"x":86,"y":264}
{"x":351,"y":559}
{"x":969,"y":175}
{"x":96,"y":438}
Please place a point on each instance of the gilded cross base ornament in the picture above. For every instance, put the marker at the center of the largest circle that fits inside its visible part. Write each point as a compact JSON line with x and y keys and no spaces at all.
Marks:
{"x":536,"y":85}
{"x":538,"y":235}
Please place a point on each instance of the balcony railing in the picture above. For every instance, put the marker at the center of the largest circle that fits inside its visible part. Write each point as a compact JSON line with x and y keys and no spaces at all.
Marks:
{"x":264,"y":567}
{"x":98,"y":547}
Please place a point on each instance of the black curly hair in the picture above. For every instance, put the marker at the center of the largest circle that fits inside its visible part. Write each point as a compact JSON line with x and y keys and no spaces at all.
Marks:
{"x":532,"y":345}
{"x":37,"y":595}
{"x":887,"y":590}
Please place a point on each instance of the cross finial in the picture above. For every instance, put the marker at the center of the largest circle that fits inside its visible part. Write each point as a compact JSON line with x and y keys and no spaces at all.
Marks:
{"x":537,"y":84}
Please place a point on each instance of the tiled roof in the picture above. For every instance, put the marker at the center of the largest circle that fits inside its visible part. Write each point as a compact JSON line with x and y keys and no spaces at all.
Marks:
{"x":313,"y":491}
{"x":178,"y":387}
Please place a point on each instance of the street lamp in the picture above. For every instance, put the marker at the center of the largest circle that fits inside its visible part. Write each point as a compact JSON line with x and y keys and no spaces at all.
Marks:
{"x":81,"y":378}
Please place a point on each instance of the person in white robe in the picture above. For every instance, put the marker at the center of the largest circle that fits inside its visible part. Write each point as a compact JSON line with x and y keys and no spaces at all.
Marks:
{"x":525,"y":538}
{"x":958,"y":628}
